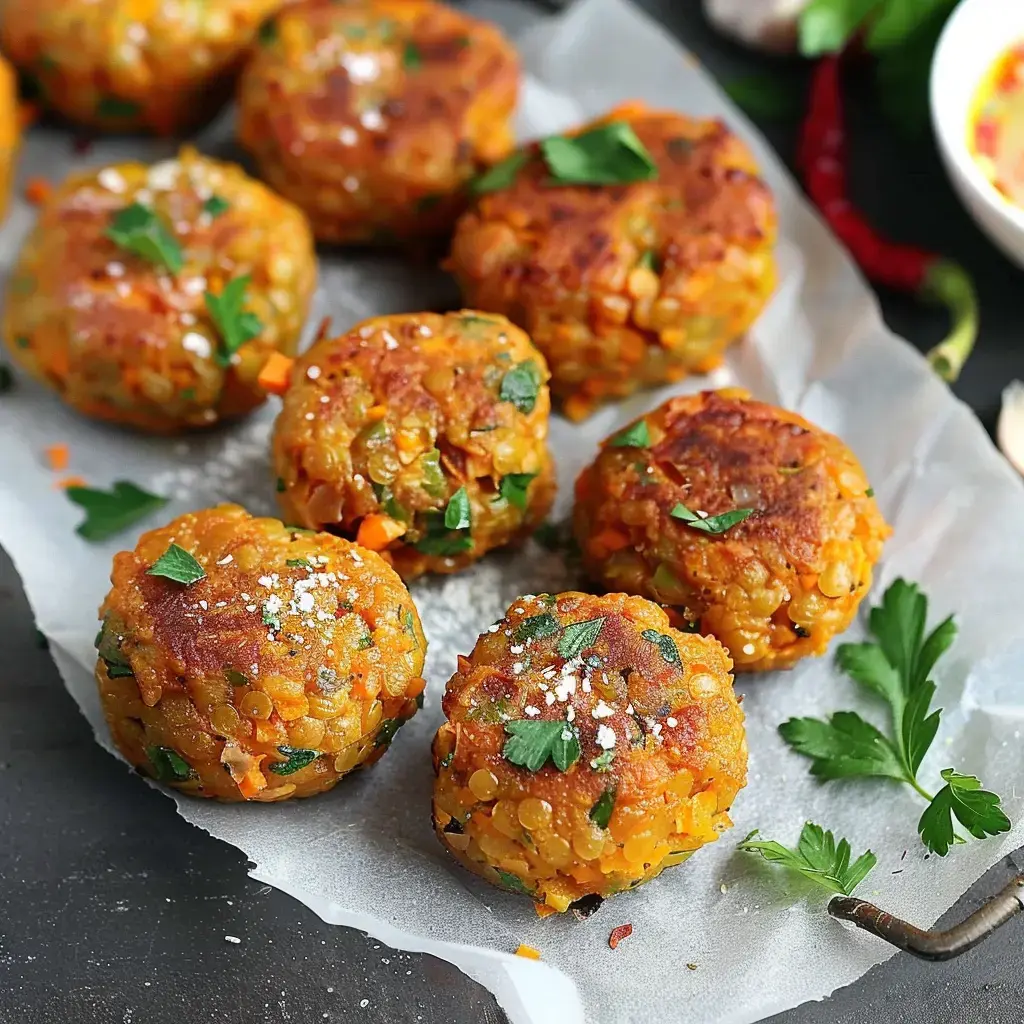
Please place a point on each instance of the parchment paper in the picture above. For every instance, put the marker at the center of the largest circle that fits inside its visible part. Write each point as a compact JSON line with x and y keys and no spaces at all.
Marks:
{"x":365,"y":855}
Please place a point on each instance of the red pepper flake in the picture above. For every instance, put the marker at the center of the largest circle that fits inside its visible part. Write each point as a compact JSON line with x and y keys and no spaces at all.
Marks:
{"x":986,"y":135}
{"x":38,"y":190}
{"x":618,"y":934}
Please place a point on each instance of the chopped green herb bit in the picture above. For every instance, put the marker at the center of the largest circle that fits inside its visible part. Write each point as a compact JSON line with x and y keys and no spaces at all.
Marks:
{"x":410,"y":623}
{"x":521,"y":385}
{"x":412,"y":57}
{"x":21,"y":341}
{"x":365,"y":640}
{"x":603,"y":761}
{"x":298,"y":563}
{"x":665,"y":644}
{"x":387,"y":730}
{"x":650,"y":260}
{"x":216,"y":205}
{"x":515,"y":487}
{"x":550,"y":536}
{"x":139,"y":230}
{"x":601,"y":812}
{"x":610,"y":154}
{"x":532,"y":742}
{"x":110,"y":512}
{"x":267,"y":33}
{"x":297,"y":759}
{"x":711,"y":524}
{"x":235,"y":325}
{"x":432,"y":473}
{"x":870,"y":492}
{"x":168,"y":765}
{"x":428,"y":202}
{"x":536,"y":627}
{"x":236,"y":678}
{"x":114,"y":106}
{"x":457,"y":513}
{"x":6,"y":378}
{"x":636,"y":435}
{"x":447,"y":759}
{"x":578,"y":636}
{"x":513,"y":882}
{"x":490,"y":712}
{"x":975,"y":808}
{"x":178,"y":565}
{"x":271,"y":618}
{"x":501,"y":175}
{"x":817,"y":857}
{"x":438,"y":540}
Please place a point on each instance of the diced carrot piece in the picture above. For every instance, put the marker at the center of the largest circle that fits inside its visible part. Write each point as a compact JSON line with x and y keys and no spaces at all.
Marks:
{"x":376,"y":412}
{"x":416,"y":686}
{"x":528,"y":951}
{"x":276,"y":374}
{"x":38,"y":190}
{"x":408,"y":442}
{"x":543,"y":910}
{"x":57,"y":456}
{"x":377,"y":531}
{"x":252,"y":783}
{"x":608,"y":540}
{"x":618,"y":934}
{"x":626,"y":109}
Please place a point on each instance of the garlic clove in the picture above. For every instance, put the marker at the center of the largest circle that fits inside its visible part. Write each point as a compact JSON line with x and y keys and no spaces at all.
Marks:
{"x":1010,"y":429}
{"x":769,"y":25}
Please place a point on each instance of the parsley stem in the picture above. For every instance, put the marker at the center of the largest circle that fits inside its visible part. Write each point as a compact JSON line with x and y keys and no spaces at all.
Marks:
{"x":911,"y":781}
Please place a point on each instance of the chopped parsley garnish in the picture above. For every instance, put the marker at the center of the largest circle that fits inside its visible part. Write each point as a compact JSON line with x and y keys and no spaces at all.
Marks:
{"x":610,"y":154}
{"x":428,"y":202}
{"x":896,"y":667}
{"x":447,"y":759}
{"x":110,"y":512}
{"x":514,"y":488}
{"x":501,"y":175}
{"x":267,"y":33}
{"x":818,"y":857}
{"x":178,"y":565}
{"x":578,"y":636}
{"x":513,"y":882}
{"x":665,"y":644}
{"x":603,"y":761}
{"x":6,"y":378}
{"x":711,"y":524}
{"x":139,"y":230}
{"x":234,"y":324}
{"x":457,"y":513}
{"x":109,"y":649}
{"x":521,"y":385}
{"x":412,"y":57}
{"x":531,"y":743}
{"x":236,"y":678}
{"x":536,"y":627}
{"x":649,"y":260}
{"x":869,"y":493}
{"x":634,"y":436}
{"x":432,"y":473}
{"x":297,"y":759}
{"x":216,"y":205}
{"x":168,"y":765}
{"x":298,"y":563}
{"x":601,"y":812}
{"x":438,"y":540}
{"x":271,"y":618}
{"x":114,"y":106}
{"x":280,"y":486}
{"x":490,"y":712}
{"x":387,"y":730}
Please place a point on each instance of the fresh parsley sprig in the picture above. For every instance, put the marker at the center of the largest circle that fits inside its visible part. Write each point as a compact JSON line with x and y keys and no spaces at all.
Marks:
{"x":110,"y":512}
{"x":139,"y":230}
{"x":817,"y":856}
{"x":896,"y":667}
{"x":235,"y":325}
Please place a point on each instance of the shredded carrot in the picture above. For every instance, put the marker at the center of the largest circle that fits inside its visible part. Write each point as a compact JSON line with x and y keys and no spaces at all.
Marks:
{"x":57,"y":456}
{"x":376,"y":412}
{"x":252,"y":782}
{"x":416,"y":686}
{"x":38,"y":191}
{"x":618,"y":934}
{"x":543,"y":910}
{"x":377,"y":531}
{"x":528,"y":951}
{"x":71,"y":481}
{"x":276,"y":374}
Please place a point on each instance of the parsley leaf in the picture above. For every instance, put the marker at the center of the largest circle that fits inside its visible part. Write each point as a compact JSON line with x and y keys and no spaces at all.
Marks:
{"x":114,"y":106}
{"x":514,"y":488}
{"x":634,"y":436}
{"x":610,"y":154}
{"x":513,"y":882}
{"x":601,"y":812}
{"x":168,"y":765}
{"x":826,"y":26}
{"x":532,"y":742}
{"x":603,"y":761}
{"x":236,"y":678}
{"x":297,"y":759}
{"x":235,"y":325}
{"x":665,"y":644}
{"x":818,"y":857}
{"x":763,"y":95}
{"x":649,"y":260}
{"x":578,"y":636}
{"x":711,"y":524}
{"x":843,"y":747}
{"x":178,"y":565}
{"x":521,"y":385}
{"x":975,"y":808}
{"x":536,"y":627}
{"x":216,"y":205}
{"x":501,"y":175}
{"x":412,"y":57}
{"x":437,"y":539}
{"x":110,"y":512}
{"x":457,"y":513}
{"x":432,"y":474}
{"x":138,"y":229}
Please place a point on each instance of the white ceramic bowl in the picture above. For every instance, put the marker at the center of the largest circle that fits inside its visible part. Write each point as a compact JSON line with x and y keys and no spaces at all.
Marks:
{"x":976,"y":35}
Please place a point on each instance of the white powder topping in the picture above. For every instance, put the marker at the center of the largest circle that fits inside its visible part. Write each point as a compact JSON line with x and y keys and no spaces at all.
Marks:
{"x":313,"y":372}
{"x":348,"y":136}
{"x":749,"y":649}
{"x":193,"y":342}
{"x":371,"y":120}
{"x":530,"y":711}
{"x":602,"y":710}
{"x":671,"y":723}
{"x":112,"y":180}
{"x":605,"y":737}
{"x":361,"y":67}
{"x":226,"y":560}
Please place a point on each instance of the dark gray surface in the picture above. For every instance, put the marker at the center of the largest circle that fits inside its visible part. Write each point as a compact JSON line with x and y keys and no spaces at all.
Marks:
{"x":114,"y":911}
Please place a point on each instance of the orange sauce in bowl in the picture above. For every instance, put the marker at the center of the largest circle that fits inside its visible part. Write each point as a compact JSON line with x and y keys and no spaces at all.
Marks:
{"x":996,"y":128}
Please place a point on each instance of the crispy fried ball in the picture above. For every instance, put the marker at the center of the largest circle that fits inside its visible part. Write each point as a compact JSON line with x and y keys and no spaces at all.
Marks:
{"x":121,"y":330}
{"x":372,"y":115}
{"x":774,"y":587}
{"x":627,"y":286}
{"x":10,"y":132}
{"x":293,"y":660}
{"x":421,"y":436}
{"x":132,"y":65}
{"x":588,"y":747}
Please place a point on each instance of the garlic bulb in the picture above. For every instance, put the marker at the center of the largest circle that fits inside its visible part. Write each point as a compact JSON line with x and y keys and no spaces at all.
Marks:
{"x":769,"y":25}
{"x":1010,"y":430}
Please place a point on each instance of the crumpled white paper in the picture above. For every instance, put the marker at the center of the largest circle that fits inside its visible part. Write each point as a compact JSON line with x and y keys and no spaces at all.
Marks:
{"x":365,"y":856}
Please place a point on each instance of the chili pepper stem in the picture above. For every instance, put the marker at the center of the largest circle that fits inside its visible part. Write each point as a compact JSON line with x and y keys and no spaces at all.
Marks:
{"x":948,"y":283}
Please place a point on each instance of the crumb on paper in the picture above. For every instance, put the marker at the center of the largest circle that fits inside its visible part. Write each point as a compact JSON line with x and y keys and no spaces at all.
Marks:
{"x":618,"y":934}
{"x":691,"y":967}
{"x":363,"y":1003}
{"x":233,"y":939}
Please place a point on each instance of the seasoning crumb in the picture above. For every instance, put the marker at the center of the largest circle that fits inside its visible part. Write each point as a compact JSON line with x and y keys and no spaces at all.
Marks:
{"x":618,"y":934}
{"x":528,"y":951}
{"x":233,"y":939}
{"x":723,"y":888}
{"x":691,"y":967}
{"x":364,"y":1003}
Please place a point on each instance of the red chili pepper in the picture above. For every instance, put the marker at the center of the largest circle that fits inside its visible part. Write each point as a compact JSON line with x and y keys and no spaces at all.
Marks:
{"x":821,"y":159}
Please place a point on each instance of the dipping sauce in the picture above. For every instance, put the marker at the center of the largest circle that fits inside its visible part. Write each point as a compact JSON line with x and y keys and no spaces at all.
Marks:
{"x":996,"y":131}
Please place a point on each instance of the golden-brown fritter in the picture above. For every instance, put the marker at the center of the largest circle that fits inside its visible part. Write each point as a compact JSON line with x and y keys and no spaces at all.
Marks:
{"x":10,"y":132}
{"x":419,"y":435}
{"x":292,"y":662}
{"x":776,"y":586}
{"x":132,"y":65}
{"x":588,"y":747}
{"x":373,"y":115}
{"x":124,"y":336}
{"x":627,"y":286}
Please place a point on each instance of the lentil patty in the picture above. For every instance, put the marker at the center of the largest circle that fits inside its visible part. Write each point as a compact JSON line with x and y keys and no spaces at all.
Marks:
{"x":777,"y":586}
{"x":294,"y":660}
{"x":649,"y":748}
